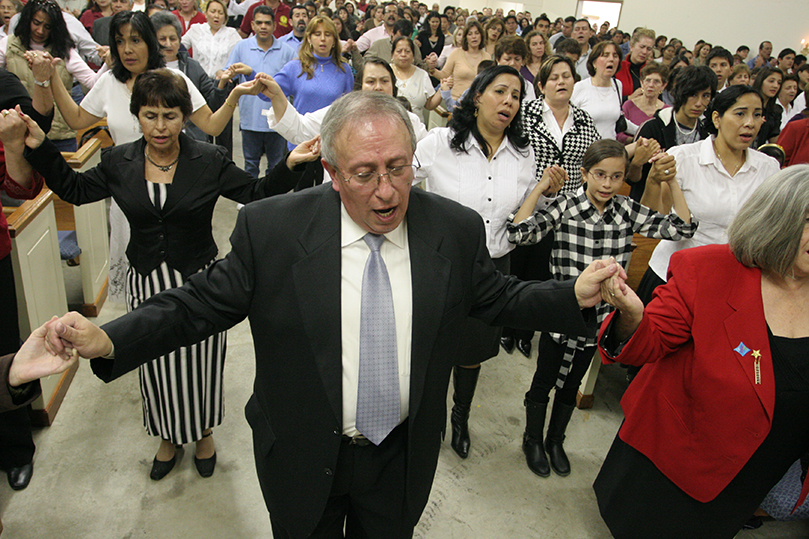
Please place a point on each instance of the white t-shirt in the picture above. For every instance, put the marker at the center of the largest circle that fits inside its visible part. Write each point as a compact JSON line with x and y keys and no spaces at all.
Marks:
{"x":110,"y":98}
{"x":603,"y":104}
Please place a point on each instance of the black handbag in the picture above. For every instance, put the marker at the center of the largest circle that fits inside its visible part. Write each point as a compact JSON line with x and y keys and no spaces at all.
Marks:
{"x":620,"y":124}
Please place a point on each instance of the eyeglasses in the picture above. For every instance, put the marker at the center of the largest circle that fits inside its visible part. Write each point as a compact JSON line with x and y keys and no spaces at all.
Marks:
{"x":368,"y":182}
{"x":601,"y":176}
{"x":653,"y":82}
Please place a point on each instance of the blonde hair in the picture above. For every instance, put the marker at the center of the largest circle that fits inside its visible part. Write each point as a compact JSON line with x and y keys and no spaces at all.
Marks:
{"x":307,"y":57}
{"x":642,"y":32}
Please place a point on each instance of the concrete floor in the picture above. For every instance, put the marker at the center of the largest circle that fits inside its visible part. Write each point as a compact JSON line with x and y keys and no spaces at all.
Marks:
{"x":91,"y":467}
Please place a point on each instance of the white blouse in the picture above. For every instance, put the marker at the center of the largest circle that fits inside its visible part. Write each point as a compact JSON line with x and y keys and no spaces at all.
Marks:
{"x":211,"y":50}
{"x":714,"y":196}
{"x":417,"y":89}
{"x":493,"y":188}
{"x":603,"y":104}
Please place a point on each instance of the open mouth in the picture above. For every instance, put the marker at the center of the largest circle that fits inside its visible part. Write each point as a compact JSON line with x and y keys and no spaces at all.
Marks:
{"x":746,"y":138}
{"x":387,"y":212}
{"x":504,"y":116}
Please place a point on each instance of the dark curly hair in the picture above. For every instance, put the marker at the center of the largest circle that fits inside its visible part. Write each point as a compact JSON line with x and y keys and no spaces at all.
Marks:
{"x":59,"y":39}
{"x":463,"y":120}
{"x":143,"y":27}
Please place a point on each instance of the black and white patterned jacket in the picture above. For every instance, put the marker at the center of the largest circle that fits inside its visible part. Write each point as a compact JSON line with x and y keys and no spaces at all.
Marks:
{"x":574,"y":143}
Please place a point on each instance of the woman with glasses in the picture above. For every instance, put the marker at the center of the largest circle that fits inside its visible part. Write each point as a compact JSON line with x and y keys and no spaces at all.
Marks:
{"x":483,"y":160}
{"x":641,"y":108}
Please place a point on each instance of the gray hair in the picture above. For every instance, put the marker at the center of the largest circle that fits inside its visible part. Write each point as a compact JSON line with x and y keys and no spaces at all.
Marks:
{"x":766,"y":233}
{"x":357,"y":106}
{"x":164,"y":18}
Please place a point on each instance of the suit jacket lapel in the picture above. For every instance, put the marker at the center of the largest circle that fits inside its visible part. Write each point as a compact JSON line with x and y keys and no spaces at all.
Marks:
{"x":430,"y":271}
{"x":746,"y":329}
{"x":189,"y":173}
{"x":320,"y":305}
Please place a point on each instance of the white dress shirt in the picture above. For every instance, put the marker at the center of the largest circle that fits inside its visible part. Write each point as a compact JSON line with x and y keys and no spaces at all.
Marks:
{"x":713,"y":196}
{"x":493,"y":188}
{"x":354,"y":253}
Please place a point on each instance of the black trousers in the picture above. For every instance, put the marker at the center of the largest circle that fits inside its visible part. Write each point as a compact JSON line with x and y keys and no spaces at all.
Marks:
{"x":16,"y":444}
{"x":367,"y":496}
{"x":549,"y":360}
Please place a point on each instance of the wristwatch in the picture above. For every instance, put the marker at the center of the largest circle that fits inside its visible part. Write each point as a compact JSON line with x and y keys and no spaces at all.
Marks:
{"x":43,"y":84}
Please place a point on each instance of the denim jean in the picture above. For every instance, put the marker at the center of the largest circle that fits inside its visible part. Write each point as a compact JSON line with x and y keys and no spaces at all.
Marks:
{"x":256,"y":143}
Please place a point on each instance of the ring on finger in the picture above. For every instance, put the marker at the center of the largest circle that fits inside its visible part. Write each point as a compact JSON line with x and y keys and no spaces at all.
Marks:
{"x":666,"y":171}
{"x":5,"y":113}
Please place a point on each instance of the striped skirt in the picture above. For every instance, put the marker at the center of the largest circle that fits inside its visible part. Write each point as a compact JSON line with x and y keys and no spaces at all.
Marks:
{"x":182,"y":390}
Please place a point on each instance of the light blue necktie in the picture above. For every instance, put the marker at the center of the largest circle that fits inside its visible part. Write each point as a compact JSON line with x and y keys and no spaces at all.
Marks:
{"x":378,"y":384}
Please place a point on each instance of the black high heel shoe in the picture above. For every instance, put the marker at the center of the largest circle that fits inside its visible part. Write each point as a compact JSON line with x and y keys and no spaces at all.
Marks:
{"x":205,"y":467}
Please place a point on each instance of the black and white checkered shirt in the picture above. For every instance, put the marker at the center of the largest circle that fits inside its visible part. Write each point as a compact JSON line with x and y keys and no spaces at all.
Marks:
{"x":582,"y":235}
{"x":574,"y":143}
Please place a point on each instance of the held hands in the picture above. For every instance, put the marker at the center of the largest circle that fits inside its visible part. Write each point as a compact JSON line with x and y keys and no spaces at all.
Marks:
{"x":645,"y":149}
{"x":588,"y":286}
{"x":629,"y":306}
{"x":42,"y":64}
{"x":251,"y":87}
{"x":34,"y":360}
{"x":304,"y":153}
{"x":271,"y":88}
{"x":105,"y":54}
{"x":664,"y":168}
{"x":240,"y":69}
{"x":17,"y":128}
{"x":432,"y":61}
{"x":74,"y":335}
{"x":553,"y":178}
{"x":447,"y":83}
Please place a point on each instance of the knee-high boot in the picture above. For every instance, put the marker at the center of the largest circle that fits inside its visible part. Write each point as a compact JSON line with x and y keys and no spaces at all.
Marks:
{"x":560,"y":417}
{"x":532,"y":439}
{"x":464,"y":381}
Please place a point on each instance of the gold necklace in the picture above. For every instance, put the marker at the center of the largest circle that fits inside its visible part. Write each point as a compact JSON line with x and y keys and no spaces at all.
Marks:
{"x":723,"y":161}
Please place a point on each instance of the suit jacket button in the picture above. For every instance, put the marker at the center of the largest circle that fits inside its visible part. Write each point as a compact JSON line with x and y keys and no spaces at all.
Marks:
{"x":336,"y":432}
{"x":328,"y":471}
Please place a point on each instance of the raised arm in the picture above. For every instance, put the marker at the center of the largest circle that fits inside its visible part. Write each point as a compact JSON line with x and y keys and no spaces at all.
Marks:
{"x":75,"y":116}
{"x":212,"y":123}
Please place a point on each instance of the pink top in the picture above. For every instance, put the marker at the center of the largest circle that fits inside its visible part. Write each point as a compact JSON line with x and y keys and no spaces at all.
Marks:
{"x":74,"y":64}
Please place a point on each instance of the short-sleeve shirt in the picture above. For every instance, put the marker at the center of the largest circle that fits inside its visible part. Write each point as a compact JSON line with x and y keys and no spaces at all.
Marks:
{"x":110,"y":98}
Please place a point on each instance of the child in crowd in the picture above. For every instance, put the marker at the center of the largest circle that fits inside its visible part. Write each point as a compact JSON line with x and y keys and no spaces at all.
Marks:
{"x":590,"y":224}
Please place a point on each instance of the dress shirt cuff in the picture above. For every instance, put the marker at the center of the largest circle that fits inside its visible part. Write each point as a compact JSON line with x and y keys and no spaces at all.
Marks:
{"x":609,"y":344}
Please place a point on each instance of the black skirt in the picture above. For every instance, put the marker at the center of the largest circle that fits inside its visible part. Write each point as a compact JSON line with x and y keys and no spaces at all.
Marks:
{"x":637,"y":501}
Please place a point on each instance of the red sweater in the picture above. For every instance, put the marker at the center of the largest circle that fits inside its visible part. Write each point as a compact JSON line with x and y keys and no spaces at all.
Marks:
{"x":198,"y":18}
{"x":794,"y":138}
{"x":14,"y":190}
{"x":625,"y":76}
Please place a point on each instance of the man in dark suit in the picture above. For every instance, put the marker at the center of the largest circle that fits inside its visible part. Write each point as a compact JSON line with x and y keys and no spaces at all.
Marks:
{"x":297,"y":271}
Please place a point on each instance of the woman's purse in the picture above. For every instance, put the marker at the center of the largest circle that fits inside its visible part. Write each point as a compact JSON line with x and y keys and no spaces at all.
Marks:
{"x":620,"y":124}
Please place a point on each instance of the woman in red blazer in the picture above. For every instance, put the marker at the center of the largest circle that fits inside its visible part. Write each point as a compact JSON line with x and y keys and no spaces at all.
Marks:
{"x":721,"y":409}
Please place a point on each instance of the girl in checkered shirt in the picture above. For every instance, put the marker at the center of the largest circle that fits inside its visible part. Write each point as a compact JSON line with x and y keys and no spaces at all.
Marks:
{"x":592,"y":223}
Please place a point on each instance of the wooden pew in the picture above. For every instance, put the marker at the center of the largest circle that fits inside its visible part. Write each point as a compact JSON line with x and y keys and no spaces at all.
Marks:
{"x":38,"y":270}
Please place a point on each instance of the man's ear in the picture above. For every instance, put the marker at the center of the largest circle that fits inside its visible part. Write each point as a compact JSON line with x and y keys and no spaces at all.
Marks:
{"x":335,"y":181}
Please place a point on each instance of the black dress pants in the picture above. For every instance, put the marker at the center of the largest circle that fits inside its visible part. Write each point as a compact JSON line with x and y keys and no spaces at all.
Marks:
{"x":367,"y":495}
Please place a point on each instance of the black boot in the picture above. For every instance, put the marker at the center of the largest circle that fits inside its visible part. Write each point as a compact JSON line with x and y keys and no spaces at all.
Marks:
{"x":464,"y":381}
{"x":532,"y":439}
{"x":560,"y":417}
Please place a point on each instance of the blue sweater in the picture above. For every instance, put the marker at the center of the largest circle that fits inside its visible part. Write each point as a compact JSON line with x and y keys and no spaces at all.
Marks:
{"x":309,"y":95}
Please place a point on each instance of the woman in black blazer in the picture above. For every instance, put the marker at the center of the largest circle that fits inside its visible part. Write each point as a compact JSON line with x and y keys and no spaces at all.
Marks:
{"x":167,"y":185}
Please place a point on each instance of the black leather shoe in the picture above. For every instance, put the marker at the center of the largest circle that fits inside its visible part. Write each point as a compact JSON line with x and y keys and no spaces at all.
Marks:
{"x":459,"y":420}
{"x":205,"y":467}
{"x":524,"y":346}
{"x":20,"y":476}
{"x":161,"y":468}
{"x":507,"y":343}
